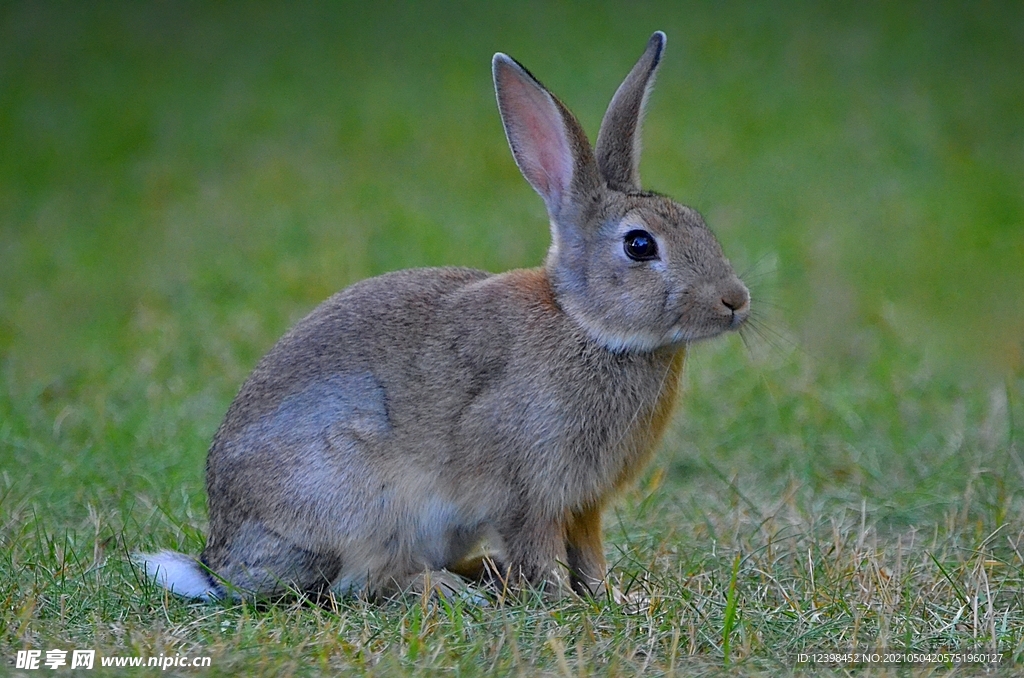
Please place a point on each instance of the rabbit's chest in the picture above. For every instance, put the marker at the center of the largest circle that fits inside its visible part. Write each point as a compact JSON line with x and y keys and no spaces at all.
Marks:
{"x":645,"y":435}
{"x":576,"y":434}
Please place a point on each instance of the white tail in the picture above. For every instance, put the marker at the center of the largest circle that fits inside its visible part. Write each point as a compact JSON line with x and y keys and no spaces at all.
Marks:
{"x":179,"y":574}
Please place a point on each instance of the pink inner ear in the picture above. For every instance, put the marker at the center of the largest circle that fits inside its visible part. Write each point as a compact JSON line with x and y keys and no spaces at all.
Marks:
{"x":538,"y":137}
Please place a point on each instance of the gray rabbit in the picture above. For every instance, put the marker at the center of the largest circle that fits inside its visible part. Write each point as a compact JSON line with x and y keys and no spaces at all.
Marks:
{"x":415,"y":416}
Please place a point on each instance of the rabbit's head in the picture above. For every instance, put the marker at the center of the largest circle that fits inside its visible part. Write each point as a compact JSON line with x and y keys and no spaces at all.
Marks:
{"x":635,"y":269}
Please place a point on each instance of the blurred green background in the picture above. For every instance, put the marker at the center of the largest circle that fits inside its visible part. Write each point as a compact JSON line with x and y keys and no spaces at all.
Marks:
{"x":179,"y":182}
{"x":229,"y":165}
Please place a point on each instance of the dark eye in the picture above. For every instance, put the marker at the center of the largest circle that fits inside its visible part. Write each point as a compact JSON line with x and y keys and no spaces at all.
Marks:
{"x":640,"y":246}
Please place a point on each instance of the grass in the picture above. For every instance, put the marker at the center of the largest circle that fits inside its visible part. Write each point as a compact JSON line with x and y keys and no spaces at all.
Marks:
{"x":179,"y":184}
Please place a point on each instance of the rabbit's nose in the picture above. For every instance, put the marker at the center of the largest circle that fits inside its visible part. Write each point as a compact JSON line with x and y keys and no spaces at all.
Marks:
{"x":736,"y":298}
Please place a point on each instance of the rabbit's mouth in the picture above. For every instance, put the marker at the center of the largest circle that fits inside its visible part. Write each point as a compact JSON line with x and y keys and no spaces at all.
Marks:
{"x":738,"y":318}
{"x":685,"y":331}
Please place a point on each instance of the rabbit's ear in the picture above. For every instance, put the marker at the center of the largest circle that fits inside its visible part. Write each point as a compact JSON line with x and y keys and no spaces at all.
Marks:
{"x":618,"y":143}
{"x":547,"y":142}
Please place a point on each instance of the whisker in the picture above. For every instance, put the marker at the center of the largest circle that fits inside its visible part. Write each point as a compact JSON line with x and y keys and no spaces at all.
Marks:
{"x":771,"y":303}
{"x":754,"y":271}
{"x":780,"y":342}
{"x":746,"y":343}
{"x":762,"y":329}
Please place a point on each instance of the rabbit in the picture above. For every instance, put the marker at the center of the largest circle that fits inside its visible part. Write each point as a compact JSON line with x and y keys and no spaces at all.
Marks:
{"x":418,"y":415}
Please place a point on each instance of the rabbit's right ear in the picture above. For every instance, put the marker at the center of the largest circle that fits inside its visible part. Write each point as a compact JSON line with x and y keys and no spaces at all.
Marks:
{"x":547,"y":142}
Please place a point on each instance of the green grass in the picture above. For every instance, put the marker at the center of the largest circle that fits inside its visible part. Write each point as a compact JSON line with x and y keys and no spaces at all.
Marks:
{"x":180,"y":183}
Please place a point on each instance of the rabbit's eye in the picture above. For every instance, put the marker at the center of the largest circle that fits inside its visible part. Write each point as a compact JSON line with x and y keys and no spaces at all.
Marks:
{"x":640,"y":246}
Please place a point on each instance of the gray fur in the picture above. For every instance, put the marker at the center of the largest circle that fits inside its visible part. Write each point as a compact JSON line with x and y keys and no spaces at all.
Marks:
{"x":415,"y":415}
{"x":618,"y":141}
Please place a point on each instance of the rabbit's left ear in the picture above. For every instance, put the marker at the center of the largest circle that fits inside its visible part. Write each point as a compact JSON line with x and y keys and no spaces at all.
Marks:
{"x":618,"y":142}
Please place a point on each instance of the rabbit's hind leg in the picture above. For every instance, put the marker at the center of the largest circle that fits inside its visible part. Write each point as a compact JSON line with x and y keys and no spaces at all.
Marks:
{"x":259,"y":562}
